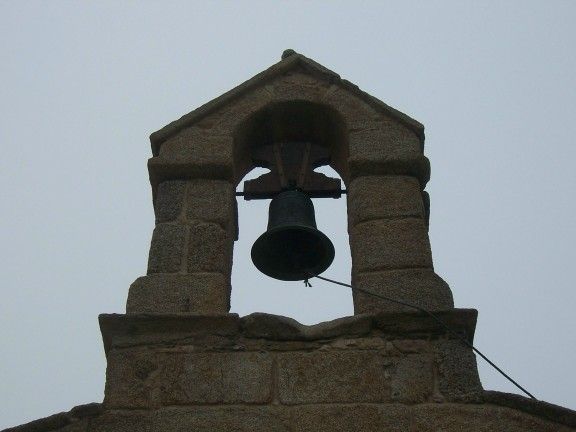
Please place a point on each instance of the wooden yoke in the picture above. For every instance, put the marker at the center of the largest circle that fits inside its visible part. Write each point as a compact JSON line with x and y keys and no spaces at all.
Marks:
{"x":291,"y":166}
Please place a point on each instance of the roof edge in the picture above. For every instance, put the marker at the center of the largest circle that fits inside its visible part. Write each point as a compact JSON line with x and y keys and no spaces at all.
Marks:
{"x":290,"y":60}
{"x":541,"y":409}
{"x":60,"y":420}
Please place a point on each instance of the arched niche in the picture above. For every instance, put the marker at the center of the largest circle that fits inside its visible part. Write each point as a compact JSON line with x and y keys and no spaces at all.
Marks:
{"x":288,"y":122}
{"x":292,"y":121}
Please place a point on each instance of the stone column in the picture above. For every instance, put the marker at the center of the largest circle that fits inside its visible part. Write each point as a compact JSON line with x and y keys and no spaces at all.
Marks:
{"x":190,"y":261}
{"x":390,"y":246}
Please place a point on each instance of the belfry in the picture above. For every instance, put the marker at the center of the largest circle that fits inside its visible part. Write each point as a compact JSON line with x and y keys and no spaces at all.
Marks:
{"x":177,"y":360}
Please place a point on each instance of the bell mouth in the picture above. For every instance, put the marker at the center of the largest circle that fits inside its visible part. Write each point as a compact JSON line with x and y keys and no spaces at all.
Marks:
{"x":292,"y":253}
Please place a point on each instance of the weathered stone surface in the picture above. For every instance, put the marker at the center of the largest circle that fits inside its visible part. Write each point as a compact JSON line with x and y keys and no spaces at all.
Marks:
{"x":458,"y":379}
{"x":383,"y":197}
{"x":253,"y":87}
{"x":390,"y":244}
{"x":211,"y":201}
{"x":298,"y":86}
{"x":427,"y":417}
{"x":143,"y":378}
{"x":420,"y":287}
{"x":154,"y":330}
{"x":267,"y":326}
{"x":161,"y":170}
{"x":199,"y":147}
{"x":411,"y":346}
{"x":540,"y":409}
{"x":167,"y":248}
{"x":75,"y":420}
{"x":383,"y":138}
{"x":478,"y":418}
{"x":354,"y":375}
{"x":77,"y":426}
{"x":322,"y":377}
{"x":384,"y":147}
{"x":420,"y":325}
{"x":207,"y":378}
{"x":261,"y":325}
{"x":227,"y":119}
{"x":374,"y":343}
{"x":303,"y":418}
{"x":349,"y":326}
{"x":86,"y":411}
{"x":352,"y":418}
{"x":123,"y":421}
{"x":350,"y":107}
{"x":57,"y":423}
{"x":209,"y":249}
{"x":169,"y":200}
{"x":413,"y":379}
{"x":398,"y":333}
{"x":416,"y":166}
{"x":223,"y":419}
{"x":127,"y":378}
{"x":174,"y":293}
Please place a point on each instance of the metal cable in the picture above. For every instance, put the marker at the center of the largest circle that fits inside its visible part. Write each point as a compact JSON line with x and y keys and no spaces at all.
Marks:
{"x":438,"y":320}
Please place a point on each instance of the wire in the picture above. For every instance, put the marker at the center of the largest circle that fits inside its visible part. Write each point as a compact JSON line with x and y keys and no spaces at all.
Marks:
{"x":439,"y":321}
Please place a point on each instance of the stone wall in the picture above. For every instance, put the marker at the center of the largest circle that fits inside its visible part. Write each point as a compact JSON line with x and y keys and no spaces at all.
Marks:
{"x":264,"y":359}
{"x":374,"y":372}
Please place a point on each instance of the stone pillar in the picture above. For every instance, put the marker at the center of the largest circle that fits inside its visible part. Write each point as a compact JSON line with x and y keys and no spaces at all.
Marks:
{"x":390,"y":246}
{"x":190,"y":261}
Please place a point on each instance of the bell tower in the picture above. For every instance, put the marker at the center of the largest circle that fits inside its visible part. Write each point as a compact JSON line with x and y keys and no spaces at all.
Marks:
{"x":291,"y":118}
{"x":177,"y":360}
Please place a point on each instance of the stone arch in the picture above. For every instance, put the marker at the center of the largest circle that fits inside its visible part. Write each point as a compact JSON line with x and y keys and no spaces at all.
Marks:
{"x":292,"y":121}
{"x":288,"y":121}
{"x":199,"y":159}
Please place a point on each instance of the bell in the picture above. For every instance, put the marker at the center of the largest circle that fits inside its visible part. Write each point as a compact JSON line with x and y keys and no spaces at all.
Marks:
{"x":292,"y":248}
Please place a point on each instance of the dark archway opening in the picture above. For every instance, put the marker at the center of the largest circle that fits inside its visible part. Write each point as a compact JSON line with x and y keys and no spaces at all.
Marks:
{"x":252,"y":291}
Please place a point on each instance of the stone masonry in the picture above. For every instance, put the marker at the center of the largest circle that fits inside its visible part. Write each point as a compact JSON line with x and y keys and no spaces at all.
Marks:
{"x":190,"y":259}
{"x":179,"y":361}
{"x":372,"y":372}
{"x":199,"y":159}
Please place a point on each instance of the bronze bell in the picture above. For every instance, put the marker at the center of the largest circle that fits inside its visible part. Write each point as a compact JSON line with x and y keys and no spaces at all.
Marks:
{"x":292,"y":248}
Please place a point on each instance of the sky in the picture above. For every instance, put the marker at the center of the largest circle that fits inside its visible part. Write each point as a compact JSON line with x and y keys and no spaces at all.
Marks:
{"x":83,"y":84}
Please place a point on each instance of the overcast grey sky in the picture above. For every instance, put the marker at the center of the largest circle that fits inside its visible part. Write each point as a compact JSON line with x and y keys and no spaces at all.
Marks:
{"x":83,"y":84}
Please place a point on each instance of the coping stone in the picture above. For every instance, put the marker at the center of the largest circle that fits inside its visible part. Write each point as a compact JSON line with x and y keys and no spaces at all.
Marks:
{"x":145,"y":329}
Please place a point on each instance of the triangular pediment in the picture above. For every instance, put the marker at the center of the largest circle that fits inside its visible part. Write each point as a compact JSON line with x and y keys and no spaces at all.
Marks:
{"x":291,"y":62}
